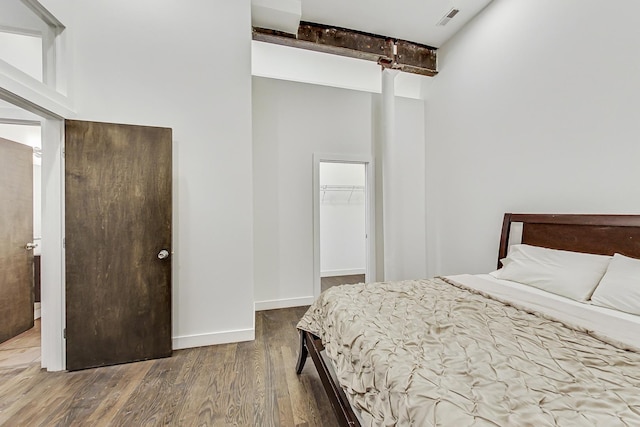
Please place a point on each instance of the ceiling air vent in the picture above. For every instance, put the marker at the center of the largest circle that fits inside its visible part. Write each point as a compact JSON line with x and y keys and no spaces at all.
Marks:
{"x":446,"y":18}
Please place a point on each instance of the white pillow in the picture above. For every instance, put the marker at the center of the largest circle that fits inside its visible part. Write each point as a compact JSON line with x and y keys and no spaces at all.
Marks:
{"x":620,"y":287}
{"x":570,"y":274}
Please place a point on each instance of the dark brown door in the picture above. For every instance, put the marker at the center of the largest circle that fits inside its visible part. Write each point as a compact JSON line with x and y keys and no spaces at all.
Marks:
{"x":16,"y":230}
{"x":118,"y":243}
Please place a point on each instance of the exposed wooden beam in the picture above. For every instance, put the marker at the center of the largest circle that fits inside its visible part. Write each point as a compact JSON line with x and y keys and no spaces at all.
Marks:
{"x":388,"y":52}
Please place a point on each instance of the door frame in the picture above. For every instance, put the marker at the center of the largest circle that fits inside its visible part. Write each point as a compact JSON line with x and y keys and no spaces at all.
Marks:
{"x":53,"y":254}
{"x":370,"y":254}
{"x":52,"y":104}
{"x":52,"y":251}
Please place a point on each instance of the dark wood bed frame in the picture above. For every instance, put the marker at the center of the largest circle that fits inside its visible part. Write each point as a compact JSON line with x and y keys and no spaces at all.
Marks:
{"x":596,"y":234}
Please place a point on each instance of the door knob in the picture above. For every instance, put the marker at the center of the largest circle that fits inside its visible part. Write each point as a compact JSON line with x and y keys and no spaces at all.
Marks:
{"x":163,"y":254}
{"x":30,"y":246}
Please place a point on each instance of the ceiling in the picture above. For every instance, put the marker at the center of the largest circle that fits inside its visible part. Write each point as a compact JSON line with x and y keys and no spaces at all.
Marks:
{"x":412,"y":20}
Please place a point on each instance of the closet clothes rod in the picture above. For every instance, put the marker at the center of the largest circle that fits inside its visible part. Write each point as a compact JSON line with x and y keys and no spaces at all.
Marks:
{"x":341,"y":188}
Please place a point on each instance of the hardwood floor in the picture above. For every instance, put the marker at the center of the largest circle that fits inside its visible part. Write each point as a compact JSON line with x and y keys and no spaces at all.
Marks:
{"x":23,"y":350}
{"x":327,"y":282}
{"x":242,"y":384}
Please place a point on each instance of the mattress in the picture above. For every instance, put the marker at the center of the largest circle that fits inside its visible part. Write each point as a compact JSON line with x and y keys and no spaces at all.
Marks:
{"x":438,"y":352}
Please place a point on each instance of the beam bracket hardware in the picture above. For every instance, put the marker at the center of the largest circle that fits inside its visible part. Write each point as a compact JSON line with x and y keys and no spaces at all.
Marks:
{"x":388,"y":52}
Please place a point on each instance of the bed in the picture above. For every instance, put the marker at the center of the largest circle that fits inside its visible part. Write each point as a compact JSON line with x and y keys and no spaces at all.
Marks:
{"x":485,"y":349}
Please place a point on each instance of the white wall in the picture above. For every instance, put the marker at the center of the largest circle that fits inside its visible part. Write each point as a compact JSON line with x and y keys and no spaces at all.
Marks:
{"x":184,"y":66}
{"x":342,"y":219}
{"x":307,"y":66}
{"x":404,"y":203}
{"x":24,"y":134}
{"x":535,"y":109}
{"x":408,"y":185}
{"x":291,"y":121}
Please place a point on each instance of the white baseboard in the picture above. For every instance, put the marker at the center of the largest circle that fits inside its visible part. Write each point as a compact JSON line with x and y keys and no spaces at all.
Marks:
{"x":283,"y":303}
{"x":37,"y":311}
{"x":201,"y":340}
{"x":347,"y":272}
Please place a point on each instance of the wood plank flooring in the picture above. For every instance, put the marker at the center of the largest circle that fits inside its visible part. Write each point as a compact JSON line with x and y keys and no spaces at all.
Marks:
{"x":242,"y":384}
{"x":327,"y":282}
{"x":22,"y":350}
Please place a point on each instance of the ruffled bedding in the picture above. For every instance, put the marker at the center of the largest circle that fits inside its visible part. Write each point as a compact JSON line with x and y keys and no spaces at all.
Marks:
{"x":429,"y":353}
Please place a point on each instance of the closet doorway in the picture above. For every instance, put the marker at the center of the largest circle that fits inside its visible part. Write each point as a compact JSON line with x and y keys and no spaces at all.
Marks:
{"x":342,"y":219}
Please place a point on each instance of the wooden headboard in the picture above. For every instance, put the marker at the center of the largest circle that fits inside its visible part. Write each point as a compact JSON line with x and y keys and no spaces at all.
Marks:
{"x":594,"y":234}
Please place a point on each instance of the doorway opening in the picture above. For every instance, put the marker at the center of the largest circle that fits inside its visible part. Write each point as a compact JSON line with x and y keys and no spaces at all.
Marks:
{"x":22,"y":231}
{"x":342,"y":219}
{"x":342,"y":224}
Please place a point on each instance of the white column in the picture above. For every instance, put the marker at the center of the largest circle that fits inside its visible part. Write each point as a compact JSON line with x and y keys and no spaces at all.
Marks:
{"x":390,"y":247}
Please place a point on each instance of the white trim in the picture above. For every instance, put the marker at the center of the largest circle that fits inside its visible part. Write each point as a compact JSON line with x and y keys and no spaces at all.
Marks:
{"x":20,"y":88}
{"x":370,"y":222}
{"x":42,"y":13}
{"x":214,"y":338}
{"x":53,"y":274}
{"x":37,"y":311}
{"x":345,"y":272}
{"x":367,"y":160}
{"x":282,"y":303}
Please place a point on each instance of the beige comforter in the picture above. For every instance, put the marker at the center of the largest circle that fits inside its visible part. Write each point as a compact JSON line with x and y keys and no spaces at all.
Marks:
{"x":427,"y":353}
